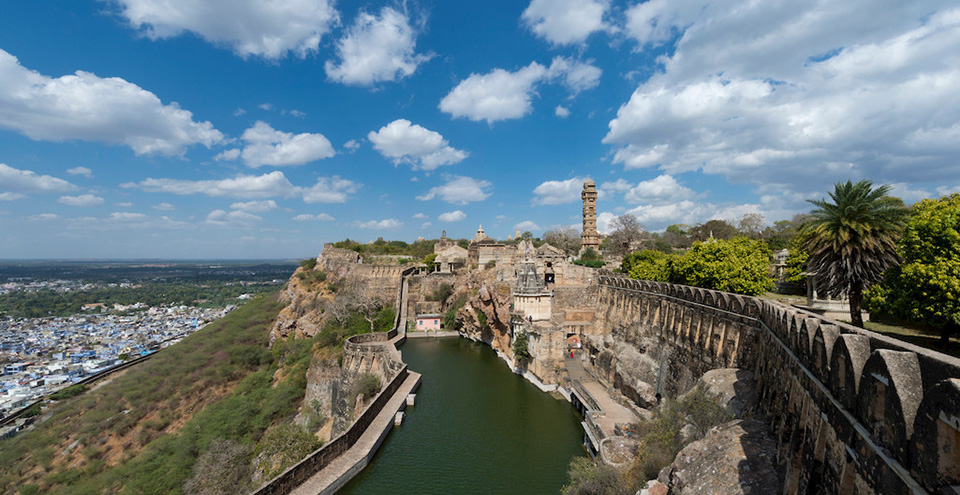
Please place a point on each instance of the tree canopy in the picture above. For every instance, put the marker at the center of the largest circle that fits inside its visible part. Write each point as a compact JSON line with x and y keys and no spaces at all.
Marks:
{"x":852,"y":240}
{"x":926,"y":286}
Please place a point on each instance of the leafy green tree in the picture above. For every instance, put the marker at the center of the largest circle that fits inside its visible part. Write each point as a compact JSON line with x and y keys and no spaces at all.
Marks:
{"x":926,"y":286}
{"x":716,"y":229}
{"x":590,"y":254}
{"x":521,"y":347}
{"x":648,"y":264}
{"x":591,"y":478}
{"x":853,"y":240}
{"x":739,"y":265}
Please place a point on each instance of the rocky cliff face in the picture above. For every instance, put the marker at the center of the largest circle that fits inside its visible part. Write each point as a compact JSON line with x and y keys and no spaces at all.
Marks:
{"x":490,"y":298}
{"x":303,"y":315}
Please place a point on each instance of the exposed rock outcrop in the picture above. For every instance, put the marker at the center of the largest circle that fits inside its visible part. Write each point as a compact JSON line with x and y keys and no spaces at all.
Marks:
{"x":303,"y":315}
{"x":733,"y":459}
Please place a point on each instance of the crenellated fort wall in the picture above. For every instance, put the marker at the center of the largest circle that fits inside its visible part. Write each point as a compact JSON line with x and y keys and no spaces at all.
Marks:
{"x":853,"y":411}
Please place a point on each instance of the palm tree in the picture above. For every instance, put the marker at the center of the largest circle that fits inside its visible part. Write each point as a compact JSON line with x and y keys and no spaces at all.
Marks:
{"x":853,"y":240}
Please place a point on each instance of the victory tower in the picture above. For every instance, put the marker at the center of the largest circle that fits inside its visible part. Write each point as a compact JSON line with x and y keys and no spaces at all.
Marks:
{"x":589,"y":237}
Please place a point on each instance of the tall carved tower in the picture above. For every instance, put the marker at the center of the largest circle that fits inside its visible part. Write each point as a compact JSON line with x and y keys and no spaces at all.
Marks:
{"x":589,"y":237}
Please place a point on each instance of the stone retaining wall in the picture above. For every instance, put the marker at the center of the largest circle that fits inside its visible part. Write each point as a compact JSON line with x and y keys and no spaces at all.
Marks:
{"x":853,"y":411}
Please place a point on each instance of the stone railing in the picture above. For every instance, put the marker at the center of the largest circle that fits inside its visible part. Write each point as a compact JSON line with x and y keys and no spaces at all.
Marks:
{"x":851,"y":408}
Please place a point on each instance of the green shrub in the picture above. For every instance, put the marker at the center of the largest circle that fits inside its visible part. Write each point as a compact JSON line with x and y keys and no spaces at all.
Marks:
{"x":481,"y":318}
{"x":368,"y":386}
{"x":590,"y":478}
{"x":66,"y":393}
{"x":521,"y":350}
{"x":309,"y":264}
{"x":32,"y":411}
{"x":441,"y":293}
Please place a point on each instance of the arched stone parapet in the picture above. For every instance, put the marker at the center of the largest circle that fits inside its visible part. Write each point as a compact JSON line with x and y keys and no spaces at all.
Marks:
{"x":723,"y":300}
{"x":823,"y":341}
{"x":890,"y":393}
{"x":936,"y":437}
{"x":795,"y":338}
{"x":849,"y":356}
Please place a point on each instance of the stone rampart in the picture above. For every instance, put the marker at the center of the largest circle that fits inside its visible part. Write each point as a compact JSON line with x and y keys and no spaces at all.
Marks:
{"x":853,"y":411}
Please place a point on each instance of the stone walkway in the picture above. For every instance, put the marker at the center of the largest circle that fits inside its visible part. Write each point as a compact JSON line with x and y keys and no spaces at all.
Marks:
{"x":613,"y":411}
{"x":347,"y":465}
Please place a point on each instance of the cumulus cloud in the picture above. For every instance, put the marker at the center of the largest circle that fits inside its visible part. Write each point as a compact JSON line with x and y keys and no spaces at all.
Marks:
{"x":9,"y":196}
{"x":389,"y":223}
{"x":376,"y":48}
{"x":459,"y":190}
{"x":306,"y":217}
{"x":404,"y":142}
{"x":352,"y":145}
{"x":242,"y":186}
{"x":801,"y":104}
{"x":275,"y":184}
{"x":558,"y":192}
{"x":164,"y":207}
{"x":124,"y":216}
{"x":268,"y":146}
{"x":249,"y":27}
{"x":527,"y":225}
{"x":561,"y":112}
{"x":420,"y":216}
{"x":90,"y":108}
{"x":27,"y":181}
{"x":565,"y":22}
{"x":662,"y":189}
{"x":504,"y":95}
{"x":329,"y":190}
{"x":232,"y":218}
{"x":255,"y":206}
{"x":84,"y":171}
{"x":452,"y":216}
{"x":81,"y":200}
{"x":617,"y":186}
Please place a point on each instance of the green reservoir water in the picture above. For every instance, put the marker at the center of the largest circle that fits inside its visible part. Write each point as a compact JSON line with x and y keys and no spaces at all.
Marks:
{"x":476,"y":428}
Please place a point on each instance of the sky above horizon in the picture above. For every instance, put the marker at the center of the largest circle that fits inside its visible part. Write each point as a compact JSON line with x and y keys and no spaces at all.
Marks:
{"x":242,"y":129}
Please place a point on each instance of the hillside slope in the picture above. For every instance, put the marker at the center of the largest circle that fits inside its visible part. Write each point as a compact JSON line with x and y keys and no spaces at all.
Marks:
{"x":214,"y":393}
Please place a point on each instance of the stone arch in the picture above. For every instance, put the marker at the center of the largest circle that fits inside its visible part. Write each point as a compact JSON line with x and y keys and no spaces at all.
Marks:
{"x":823,"y":342}
{"x":890,"y":392}
{"x":736,"y":304}
{"x":936,"y":435}
{"x":849,"y":356}
{"x":723,"y":300}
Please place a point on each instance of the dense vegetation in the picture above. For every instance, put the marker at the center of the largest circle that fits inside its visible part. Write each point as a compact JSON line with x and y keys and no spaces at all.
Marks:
{"x":925,"y":288}
{"x":739,"y":265}
{"x":144,"y":431}
{"x":417,"y":250}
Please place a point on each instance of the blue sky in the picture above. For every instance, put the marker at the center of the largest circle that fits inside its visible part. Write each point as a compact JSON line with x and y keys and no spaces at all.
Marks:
{"x":230,"y":129}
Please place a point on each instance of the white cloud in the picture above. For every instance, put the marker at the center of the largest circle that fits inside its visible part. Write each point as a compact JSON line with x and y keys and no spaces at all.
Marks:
{"x":266,"y":107}
{"x":306,"y":217}
{"x":27,"y":181}
{"x":330,"y":190}
{"x":81,"y":200}
{"x":503,"y":95}
{"x":375,"y":49}
{"x":796,"y":95}
{"x":497,"y":95}
{"x":605,"y":222}
{"x":275,"y":184}
{"x":576,"y":76}
{"x":255,"y":206}
{"x":421,"y":216}
{"x":9,"y":196}
{"x":352,"y":145}
{"x":452,"y":216}
{"x":422,"y":148}
{"x":295,"y":113}
{"x":527,"y":225}
{"x":242,"y":186}
{"x":268,"y":146}
{"x":84,"y":171}
{"x":561,"y":112}
{"x":459,"y":190}
{"x":90,"y":108}
{"x":558,"y":192}
{"x":389,"y":223}
{"x":164,"y":207}
{"x":249,"y":27}
{"x":426,"y":225}
{"x":238,"y":112}
{"x":662,"y":189}
{"x":565,"y":22}
{"x":233,"y":218}
{"x":123,"y":216}
{"x":44,"y":217}
{"x":228,"y":155}
{"x":617,"y":186}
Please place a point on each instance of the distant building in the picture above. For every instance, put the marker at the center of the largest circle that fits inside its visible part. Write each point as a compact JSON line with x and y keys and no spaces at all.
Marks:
{"x":428,"y":322}
{"x":531,"y":298}
{"x":484,"y":249}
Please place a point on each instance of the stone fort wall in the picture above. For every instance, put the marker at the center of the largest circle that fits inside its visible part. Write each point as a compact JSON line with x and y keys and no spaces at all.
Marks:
{"x":853,"y":411}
